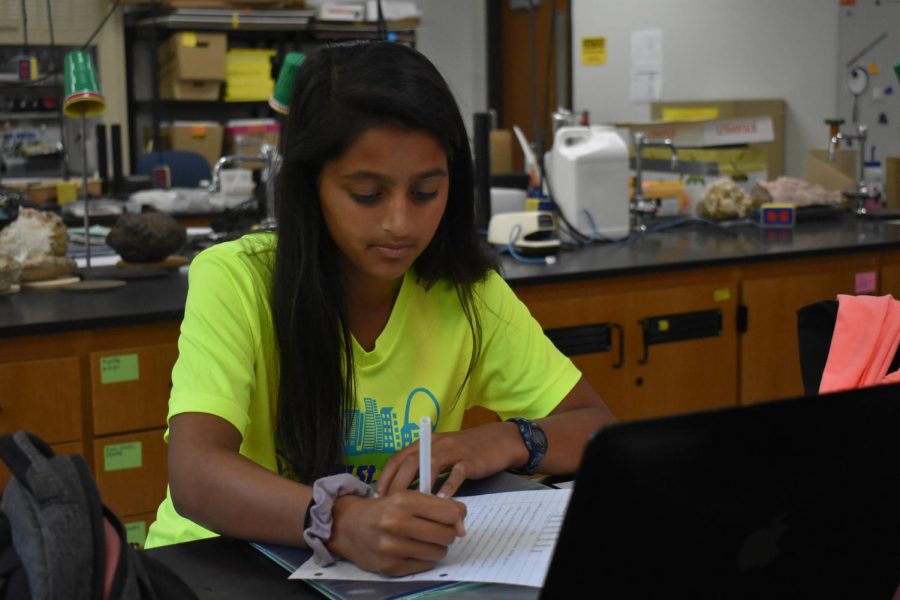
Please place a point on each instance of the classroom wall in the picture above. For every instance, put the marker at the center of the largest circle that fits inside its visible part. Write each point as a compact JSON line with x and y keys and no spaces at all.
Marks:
{"x":717,"y":49}
{"x":73,"y":23}
{"x":453,"y":36}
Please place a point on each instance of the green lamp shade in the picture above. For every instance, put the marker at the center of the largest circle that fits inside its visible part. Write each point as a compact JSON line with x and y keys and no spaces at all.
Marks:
{"x":281,"y":97}
{"x":82,"y":92}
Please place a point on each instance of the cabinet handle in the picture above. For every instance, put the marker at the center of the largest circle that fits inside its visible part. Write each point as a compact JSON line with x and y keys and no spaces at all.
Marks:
{"x":679,"y":327}
{"x":621,"y":330}
{"x":582,"y":339}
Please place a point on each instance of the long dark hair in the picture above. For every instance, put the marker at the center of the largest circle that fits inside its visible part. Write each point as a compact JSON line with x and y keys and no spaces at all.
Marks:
{"x":340,"y":92}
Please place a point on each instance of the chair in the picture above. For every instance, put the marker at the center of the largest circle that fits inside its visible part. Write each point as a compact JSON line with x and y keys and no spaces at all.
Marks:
{"x":188,"y":169}
{"x":815,"y":328}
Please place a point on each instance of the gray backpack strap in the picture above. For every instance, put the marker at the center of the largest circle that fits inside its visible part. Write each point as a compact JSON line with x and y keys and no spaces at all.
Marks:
{"x":47,"y":510}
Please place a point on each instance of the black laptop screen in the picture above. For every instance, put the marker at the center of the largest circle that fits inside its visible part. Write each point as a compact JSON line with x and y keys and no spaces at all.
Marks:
{"x":790,"y":498}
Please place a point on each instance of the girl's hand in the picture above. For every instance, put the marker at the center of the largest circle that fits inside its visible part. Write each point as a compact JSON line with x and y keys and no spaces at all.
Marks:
{"x":398,"y":534}
{"x":472,"y":453}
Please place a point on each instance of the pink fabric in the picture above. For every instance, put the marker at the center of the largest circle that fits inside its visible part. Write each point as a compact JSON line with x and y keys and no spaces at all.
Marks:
{"x":866,"y":337}
{"x":113,"y":546}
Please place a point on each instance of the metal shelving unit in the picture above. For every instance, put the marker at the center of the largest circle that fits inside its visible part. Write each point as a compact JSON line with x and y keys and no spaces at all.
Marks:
{"x":285,"y":30}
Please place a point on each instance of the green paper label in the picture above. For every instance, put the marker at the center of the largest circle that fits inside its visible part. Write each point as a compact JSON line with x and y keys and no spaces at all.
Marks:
{"x":115,"y":369}
{"x":136,"y":532}
{"x":118,"y":457}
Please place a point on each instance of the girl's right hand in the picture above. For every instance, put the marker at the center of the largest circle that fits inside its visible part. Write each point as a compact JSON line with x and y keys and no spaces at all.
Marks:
{"x":399,"y":534}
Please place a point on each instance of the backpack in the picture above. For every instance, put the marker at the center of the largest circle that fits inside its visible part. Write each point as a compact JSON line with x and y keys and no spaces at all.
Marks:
{"x":58,"y":540}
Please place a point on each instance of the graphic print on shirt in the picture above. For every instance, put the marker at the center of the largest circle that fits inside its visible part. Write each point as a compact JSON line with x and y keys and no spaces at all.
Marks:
{"x":374,"y":434}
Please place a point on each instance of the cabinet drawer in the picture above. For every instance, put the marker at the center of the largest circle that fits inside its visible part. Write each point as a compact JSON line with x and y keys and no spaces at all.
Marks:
{"x":42,"y":396}
{"x":68,"y":448}
{"x":130,"y":387}
{"x":131,"y":471}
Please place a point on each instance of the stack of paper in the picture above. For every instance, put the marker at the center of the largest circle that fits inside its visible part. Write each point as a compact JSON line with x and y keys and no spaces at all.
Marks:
{"x":510,"y":538}
{"x":248,"y":74}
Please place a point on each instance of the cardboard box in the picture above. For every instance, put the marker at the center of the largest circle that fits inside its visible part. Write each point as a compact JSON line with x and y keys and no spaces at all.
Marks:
{"x":892,"y":181}
{"x":839,"y":174}
{"x":194,"y":55}
{"x":246,"y":136}
{"x":175,"y":88}
{"x":501,"y":152}
{"x":728,"y":109}
{"x":703,"y":134}
{"x":341,"y":11}
{"x":203,"y":137}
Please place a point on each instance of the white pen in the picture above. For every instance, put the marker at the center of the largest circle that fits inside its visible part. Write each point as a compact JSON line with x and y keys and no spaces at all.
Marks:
{"x":425,"y":455}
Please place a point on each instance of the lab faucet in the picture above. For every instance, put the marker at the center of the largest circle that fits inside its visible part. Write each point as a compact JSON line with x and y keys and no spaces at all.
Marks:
{"x":862,"y":190}
{"x":640,"y":206}
{"x":270,"y":156}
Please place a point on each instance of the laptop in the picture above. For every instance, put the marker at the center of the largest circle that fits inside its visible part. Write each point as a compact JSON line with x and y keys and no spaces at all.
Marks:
{"x":796,"y":498}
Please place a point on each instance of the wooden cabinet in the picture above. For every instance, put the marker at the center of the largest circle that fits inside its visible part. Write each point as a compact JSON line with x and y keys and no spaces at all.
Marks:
{"x":651,"y":344}
{"x":131,"y":471}
{"x":130,"y":387}
{"x":661,"y":345}
{"x":102,"y":394}
{"x":42,"y":396}
{"x":769,"y":352}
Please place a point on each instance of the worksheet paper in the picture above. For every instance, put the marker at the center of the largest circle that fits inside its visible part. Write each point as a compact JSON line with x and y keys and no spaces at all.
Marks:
{"x":509,"y":538}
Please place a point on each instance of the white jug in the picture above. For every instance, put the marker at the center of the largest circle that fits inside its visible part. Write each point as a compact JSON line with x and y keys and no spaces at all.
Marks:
{"x":587,"y":168}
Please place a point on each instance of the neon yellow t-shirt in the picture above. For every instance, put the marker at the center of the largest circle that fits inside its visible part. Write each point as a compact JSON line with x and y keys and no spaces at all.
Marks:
{"x":228,"y":364}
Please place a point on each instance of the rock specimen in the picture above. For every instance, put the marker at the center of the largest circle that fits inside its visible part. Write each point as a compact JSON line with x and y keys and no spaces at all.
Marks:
{"x":146,"y":237}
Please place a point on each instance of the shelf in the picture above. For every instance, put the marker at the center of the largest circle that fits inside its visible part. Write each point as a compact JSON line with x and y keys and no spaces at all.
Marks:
{"x":29,"y":116}
{"x":231,"y":20}
{"x":189,"y":104}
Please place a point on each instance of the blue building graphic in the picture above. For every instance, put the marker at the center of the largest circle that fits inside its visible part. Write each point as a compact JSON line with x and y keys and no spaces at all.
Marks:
{"x":379,"y":430}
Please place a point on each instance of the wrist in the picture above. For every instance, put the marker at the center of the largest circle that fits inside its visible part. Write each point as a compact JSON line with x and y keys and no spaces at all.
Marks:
{"x":534,"y":439}
{"x":327,"y":493}
{"x":518,"y":452}
{"x":337,"y":544}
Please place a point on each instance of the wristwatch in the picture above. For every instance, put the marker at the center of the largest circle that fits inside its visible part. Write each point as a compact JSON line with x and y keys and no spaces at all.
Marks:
{"x":535,"y":441}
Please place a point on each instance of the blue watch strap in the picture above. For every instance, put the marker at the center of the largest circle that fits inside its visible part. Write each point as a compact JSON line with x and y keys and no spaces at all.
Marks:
{"x":535,"y":442}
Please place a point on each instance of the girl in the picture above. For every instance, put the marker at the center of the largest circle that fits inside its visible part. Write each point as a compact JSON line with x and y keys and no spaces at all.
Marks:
{"x":306,"y":359}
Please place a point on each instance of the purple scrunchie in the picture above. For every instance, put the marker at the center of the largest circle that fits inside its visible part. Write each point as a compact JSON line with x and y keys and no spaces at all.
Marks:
{"x":325,"y":491}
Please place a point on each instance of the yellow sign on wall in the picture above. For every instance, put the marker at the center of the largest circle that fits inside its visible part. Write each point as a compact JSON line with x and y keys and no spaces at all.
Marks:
{"x":593,"y":50}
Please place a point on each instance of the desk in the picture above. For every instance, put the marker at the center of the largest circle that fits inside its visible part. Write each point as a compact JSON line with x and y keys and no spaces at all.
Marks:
{"x":229,"y":569}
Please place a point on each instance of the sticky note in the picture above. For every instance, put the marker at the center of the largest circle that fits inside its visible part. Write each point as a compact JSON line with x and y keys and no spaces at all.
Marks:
{"x":690,"y":113}
{"x":866,"y":282}
{"x":593,"y":50}
{"x":136,"y":532}
{"x":66,"y":192}
{"x":119,"y":457}
{"x":721,"y":295}
{"x":189,"y":39}
{"x":119,"y":368}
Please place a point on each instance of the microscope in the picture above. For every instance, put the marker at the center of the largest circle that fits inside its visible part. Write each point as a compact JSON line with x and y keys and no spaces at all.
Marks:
{"x":641,"y":207}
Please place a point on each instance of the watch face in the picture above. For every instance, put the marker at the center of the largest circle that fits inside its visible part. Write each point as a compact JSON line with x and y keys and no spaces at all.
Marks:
{"x":539,"y":437}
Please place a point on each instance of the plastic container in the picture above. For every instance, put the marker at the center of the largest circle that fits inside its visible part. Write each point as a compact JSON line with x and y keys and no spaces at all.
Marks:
{"x":873,"y":175}
{"x":588,"y":171}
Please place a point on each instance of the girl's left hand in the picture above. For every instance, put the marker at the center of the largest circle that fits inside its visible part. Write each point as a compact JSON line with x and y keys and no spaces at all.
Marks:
{"x":472,"y":453}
